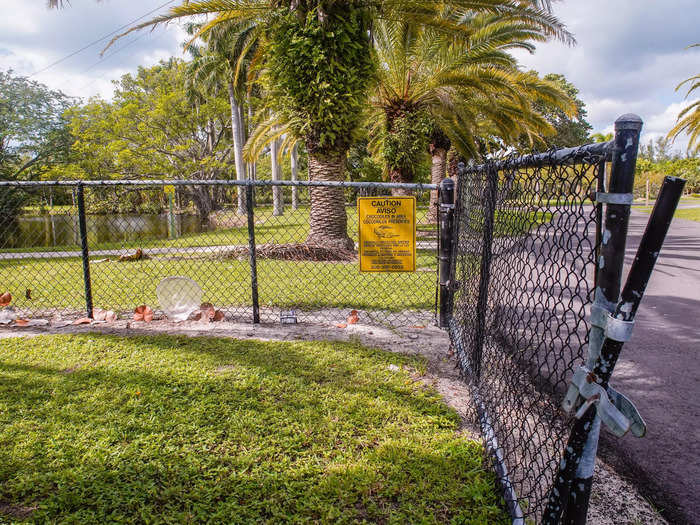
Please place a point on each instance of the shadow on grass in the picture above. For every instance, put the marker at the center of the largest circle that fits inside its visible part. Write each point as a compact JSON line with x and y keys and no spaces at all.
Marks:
{"x":102,"y":428}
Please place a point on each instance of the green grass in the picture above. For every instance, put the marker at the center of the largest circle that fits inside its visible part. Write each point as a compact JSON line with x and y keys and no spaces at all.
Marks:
{"x":163,"y":429}
{"x":58,"y":283}
{"x":691,"y":214}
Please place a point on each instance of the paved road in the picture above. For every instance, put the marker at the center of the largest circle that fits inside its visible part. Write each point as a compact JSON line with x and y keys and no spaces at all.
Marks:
{"x":660,"y":372}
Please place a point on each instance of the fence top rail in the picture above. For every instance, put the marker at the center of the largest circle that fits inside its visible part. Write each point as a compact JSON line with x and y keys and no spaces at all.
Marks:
{"x":587,"y":154}
{"x":257,"y":183}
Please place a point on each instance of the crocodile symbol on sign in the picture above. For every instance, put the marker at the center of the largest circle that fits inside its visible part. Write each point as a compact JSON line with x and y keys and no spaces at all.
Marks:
{"x":383,"y":234}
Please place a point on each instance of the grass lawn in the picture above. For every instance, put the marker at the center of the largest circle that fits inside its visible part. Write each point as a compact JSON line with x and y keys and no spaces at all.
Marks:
{"x":691,"y":214}
{"x":165,"y":429}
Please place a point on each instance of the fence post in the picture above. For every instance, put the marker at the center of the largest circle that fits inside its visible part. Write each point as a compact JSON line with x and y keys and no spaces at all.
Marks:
{"x":82,"y":225}
{"x":571,"y":491}
{"x":447,"y":207}
{"x":485,"y":268}
{"x":251,"y":252}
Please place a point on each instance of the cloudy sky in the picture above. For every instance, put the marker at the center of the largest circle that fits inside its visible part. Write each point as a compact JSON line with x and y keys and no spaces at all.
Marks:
{"x":630,"y":53}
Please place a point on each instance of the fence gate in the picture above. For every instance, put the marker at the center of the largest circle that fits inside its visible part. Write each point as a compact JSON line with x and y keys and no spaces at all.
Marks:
{"x":527,"y":239}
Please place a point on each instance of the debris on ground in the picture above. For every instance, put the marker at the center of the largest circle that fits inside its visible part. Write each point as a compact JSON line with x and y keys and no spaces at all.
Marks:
{"x":353,"y":317}
{"x":7,"y":315}
{"x":179,"y":297}
{"x":143,"y":313}
{"x":138,"y":255}
{"x":98,"y":314}
{"x":295,"y":252}
{"x":5,"y":299}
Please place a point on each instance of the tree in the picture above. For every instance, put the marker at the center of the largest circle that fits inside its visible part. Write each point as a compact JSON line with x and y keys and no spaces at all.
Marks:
{"x":601,"y":137}
{"x":570,"y":128}
{"x":318,"y":55}
{"x":33,"y":128}
{"x":434,"y":90}
{"x":154,"y":128}
{"x":688,"y":120}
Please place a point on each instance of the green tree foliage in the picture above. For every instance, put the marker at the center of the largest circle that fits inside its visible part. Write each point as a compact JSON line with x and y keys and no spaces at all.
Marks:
{"x":319,"y":77}
{"x":155,"y":128}
{"x":33,"y":129}
{"x":656,"y":160}
{"x":689,"y":118}
{"x":571,"y":129}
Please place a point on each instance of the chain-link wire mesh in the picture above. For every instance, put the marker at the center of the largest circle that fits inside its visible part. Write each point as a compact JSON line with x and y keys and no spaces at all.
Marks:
{"x":138,"y":234}
{"x":527,"y":235}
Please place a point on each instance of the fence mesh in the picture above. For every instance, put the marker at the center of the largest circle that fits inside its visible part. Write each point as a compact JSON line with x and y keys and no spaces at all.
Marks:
{"x":136,"y":239}
{"x":527,"y":233}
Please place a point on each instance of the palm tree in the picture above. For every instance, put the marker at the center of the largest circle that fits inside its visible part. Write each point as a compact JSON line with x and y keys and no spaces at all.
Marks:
{"x":688,"y":120}
{"x":435,"y":91}
{"x":224,"y":62}
{"x":318,"y":57}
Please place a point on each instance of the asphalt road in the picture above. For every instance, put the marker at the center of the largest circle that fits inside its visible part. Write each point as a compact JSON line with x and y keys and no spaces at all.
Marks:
{"x":659,"y":371}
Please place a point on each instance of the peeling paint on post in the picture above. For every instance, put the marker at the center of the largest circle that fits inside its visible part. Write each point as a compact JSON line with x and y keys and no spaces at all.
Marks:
{"x":570,"y":494}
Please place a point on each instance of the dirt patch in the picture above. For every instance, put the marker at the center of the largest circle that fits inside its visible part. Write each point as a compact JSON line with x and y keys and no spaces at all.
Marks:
{"x":19,"y":512}
{"x":72,"y":369}
{"x":614,"y":499}
{"x":295,"y":252}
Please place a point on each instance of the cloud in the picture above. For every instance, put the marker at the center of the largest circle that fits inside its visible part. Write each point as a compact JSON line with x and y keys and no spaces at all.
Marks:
{"x":629,"y":58}
{"x":33,"y":37}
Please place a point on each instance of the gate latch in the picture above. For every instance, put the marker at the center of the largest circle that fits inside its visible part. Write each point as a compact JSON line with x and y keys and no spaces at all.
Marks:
{"x":614,"y":409}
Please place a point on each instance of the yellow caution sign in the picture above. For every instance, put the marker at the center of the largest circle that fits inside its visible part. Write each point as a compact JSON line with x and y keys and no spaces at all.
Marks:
{"x":169,"y":189}
{"x":387,"y":234}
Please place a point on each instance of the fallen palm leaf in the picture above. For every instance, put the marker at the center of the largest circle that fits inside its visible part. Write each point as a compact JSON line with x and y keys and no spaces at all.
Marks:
{"x":136,"y":256}
{"x":143,"y":313}
{"x":5,"y":299}
{"x":353,"y":317}
{"x":21,"y":322}
{"x":82,"y":320}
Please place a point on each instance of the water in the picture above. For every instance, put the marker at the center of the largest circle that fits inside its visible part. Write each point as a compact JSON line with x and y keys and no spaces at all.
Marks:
{"x":51,"y":231}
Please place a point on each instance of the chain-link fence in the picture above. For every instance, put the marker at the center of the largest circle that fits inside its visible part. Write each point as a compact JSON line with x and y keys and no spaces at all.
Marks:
{"x":527,"y":232}
{"x":137,"y":233}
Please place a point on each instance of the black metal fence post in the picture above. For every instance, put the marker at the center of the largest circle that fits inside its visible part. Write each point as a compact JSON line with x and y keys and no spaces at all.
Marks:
{"x":485,"y":272}
{"x":446,"y":218}
{"x":570,"y":493}
{"x":82,"y":225}
{"x":251,"y":253}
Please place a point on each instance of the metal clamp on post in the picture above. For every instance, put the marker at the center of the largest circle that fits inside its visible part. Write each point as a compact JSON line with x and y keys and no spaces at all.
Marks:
{"x":618,"y":330}
{"x":614,"y":198}
{"x":615,"y":410}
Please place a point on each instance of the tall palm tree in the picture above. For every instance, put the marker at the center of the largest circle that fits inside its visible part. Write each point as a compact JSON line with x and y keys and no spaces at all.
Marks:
{"x":318,"y":55}
{"x":688,"y":120}
{"x":223,"y":62}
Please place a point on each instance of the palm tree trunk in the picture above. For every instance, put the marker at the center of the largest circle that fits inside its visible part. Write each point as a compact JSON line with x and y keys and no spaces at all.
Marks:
{"x":401,"y":177}
{"x":277,"y":195}
{"x":438,"y":170}
{"x":328,"y":221}
{"x":237,"y":133}
{"x":295,"y":177}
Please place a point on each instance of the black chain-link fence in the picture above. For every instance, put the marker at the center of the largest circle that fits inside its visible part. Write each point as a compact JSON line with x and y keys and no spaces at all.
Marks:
{"x":138,"y":233}
{"x":527,"y":232}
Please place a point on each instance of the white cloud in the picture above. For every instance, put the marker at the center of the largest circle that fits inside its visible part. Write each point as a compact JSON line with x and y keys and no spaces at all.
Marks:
{"x":630,"y":56}
{"x":33,"y":37}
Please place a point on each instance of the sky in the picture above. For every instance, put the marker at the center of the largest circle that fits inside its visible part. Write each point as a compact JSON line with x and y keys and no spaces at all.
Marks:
{"x":629,"y":56}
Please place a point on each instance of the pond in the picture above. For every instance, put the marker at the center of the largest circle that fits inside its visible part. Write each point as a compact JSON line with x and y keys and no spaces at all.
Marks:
{"x":50,"y":231}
